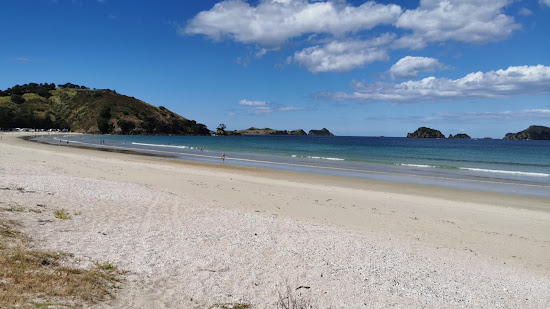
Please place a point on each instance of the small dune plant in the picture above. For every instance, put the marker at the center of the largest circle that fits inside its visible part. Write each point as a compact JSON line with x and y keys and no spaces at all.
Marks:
{"x":61,"y":214}
{"x":293,"y":300}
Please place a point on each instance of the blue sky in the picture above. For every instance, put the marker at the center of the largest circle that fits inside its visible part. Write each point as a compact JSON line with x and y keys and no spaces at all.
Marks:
{"x":480,"y":67}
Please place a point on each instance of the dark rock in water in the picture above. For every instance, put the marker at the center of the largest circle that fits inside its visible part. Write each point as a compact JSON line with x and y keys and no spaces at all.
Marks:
{"x":533,"y":132}
{"x":322,"y":132}
{"x":460,"y":135}
{"x":424,"y":132}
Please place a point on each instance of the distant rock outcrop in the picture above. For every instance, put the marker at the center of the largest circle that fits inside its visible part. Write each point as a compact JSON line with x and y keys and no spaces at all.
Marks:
{"x":322,"y":132}
{"x":268,"y":131}
{"x":460,"y":135}
{"x":533,"y":132}
{"x":424,"y":132}
{"x":297,"y":132}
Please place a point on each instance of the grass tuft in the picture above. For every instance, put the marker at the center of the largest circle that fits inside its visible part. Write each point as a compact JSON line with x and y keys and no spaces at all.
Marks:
{"x":61,"y":214}
{"x":292,"y":300}
{"x":44,"y":278}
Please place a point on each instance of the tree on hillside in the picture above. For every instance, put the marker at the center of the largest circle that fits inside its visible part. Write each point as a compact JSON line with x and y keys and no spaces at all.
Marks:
{"x":17,"y":99}
{"x":104,"y":126}
{"x":105,"y":112}
{"x":126,"y":126}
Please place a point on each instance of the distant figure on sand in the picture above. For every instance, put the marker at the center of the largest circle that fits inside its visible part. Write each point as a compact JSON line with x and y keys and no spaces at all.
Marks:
{"x":201,"y":149}
{"x":223,"y":158}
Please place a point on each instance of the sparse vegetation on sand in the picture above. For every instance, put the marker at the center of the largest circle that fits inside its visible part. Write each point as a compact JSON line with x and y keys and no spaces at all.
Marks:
{"x":293,"y":299}
{"x":31,"y":278}
{"x":231,"y":306}
{"x":61,"y":214}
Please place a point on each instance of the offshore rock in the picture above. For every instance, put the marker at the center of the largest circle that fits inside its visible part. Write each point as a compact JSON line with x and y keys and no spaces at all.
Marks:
{"x":533,"y":132}
{"x":322,"y":132}
{"x":460,"y":135}
{"x":424,"y":132}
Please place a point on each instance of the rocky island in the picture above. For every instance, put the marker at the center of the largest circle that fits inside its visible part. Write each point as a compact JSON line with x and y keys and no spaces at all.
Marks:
{"x":322,"y":132}
{"x":533,"y":132}
{"x":460,"y":135}
{"x":424,"y":132}
{"x":268,"y":131}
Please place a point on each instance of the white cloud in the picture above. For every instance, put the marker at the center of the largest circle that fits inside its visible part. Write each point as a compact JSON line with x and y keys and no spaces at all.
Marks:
{"x":409,"y":67}
{"x":547,"y":2}
{"x":514,"y":81}
{"x":261,"y":53}
{"x":270,"y":24}
{"x":496,"y":116}
{"x":273,"y":22}
{"x":252,"y":103}
{"x":291,"y":108}
{"x":526,"y":11}
{"x":262,"y":110}
{"x":262,"y":107}
{"x":474,"y":21}
{"x":343,"y":56}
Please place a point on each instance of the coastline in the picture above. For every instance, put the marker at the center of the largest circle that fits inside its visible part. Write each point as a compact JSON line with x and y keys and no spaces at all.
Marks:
{"x":303,"y":220}
{"x":473,"y":178}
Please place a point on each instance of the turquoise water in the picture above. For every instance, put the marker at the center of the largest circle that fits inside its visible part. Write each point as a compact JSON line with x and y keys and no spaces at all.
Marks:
{"x":444,"y":161}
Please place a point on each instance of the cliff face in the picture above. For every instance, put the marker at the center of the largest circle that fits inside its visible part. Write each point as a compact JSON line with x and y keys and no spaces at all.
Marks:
{"x":322,"y":132}
{"x":424,"y":132}
{"x":533,"y":132}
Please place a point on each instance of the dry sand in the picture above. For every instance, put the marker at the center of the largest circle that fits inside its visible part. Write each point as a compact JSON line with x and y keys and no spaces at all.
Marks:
{"x":195,"y":235}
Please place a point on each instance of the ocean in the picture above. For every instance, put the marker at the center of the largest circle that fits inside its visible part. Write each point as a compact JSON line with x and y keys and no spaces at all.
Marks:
{"x":506,"y":166}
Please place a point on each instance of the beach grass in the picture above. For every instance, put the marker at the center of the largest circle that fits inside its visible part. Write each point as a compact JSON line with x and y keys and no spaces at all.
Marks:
{"x":31,"y":278}
{"x":61,"y":214}
{"x":293,"y":300}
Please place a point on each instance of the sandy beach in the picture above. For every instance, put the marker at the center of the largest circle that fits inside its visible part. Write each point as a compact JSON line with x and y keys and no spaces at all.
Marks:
{"x":194,"y":235}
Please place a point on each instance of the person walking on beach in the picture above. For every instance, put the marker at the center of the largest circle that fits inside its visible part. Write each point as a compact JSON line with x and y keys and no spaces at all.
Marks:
{"x":223,"y":158}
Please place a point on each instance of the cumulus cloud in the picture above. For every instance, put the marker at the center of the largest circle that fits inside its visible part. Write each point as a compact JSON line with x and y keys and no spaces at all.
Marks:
{"x":474,"y":21}
{"x":409,"y":67}
{"x":546,"y":2}
{"x":343,"y":56}
{"x":273,"y":22}
{"x":270,"y":24}
{"x":514,"y":81}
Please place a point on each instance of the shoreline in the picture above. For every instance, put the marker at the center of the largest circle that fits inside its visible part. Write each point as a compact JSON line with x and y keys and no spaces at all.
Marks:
{"x":492,"y":184}
{"x":203,"y":210}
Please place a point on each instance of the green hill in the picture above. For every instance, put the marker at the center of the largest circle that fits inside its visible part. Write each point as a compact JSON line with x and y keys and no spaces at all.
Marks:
{"x":79,"y":109}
